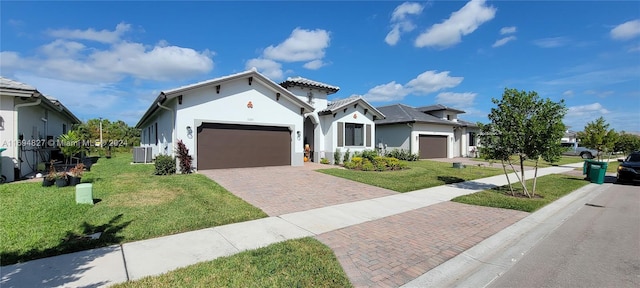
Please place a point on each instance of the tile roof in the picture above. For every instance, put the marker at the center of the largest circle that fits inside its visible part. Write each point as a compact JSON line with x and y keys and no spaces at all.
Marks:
{"x":304,"y":82}
{"x":438,"y":107}
{"x":12,"y":84}
{"x":339,"y":104}
{"x":400,"y":113}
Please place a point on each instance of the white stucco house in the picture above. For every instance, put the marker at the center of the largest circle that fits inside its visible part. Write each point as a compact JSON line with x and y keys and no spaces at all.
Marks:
{"x":30,"y":124}
{"x":248,"y":120}
{"x":431,"y":131}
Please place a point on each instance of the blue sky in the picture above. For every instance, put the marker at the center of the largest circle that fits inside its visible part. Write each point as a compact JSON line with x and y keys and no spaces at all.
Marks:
{"x":111,"y":59}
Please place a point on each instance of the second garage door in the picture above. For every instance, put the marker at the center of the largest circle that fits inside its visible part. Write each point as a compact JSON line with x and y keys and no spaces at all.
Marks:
{"x":238,"y":146}
{"x":432,"y":146}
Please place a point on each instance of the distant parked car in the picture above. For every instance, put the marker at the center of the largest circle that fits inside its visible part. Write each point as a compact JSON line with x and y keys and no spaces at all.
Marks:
{"x":578,"y":150}
{"x":629,"y":168}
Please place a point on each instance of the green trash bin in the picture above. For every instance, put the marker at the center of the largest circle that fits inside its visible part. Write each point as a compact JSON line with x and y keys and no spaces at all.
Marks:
{"x":597,"y":172}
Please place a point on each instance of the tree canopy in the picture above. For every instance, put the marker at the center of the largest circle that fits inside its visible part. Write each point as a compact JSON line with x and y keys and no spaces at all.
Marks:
{"x":524,"y":126}
{"x":597,"y":135}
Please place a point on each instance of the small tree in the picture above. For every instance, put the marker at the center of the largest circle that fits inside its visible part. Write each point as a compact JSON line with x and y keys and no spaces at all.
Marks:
{"x":184,"y":157}
{"x":627,"y":143}
{"x":523,"y":126}
{"x":598,"y":136}
{"x":70,"y":144}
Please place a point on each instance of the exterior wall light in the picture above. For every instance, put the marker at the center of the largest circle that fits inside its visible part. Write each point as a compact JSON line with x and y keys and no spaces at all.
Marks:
{"x":298,"y":133}
{"x":189,"y":131}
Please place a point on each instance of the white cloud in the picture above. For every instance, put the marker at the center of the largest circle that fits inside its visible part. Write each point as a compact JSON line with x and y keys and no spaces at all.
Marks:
{"x":600,"y":94}
{"x":634,"y":48}
{"x":457,"y":100}
{"x":508,"y":30}
{"x":551,"y":42}
{"x":103,"y":36}
{"x":268,"y":67}
{"x":302,"y":45}
{"x":568,"y":93}
{"x":425,"y":83}
{"x":430,"y":81}
{"x":74,"y":60}
{"x":399,"y":22}
{"x":391,"y":91}
{"x":460,"y":23}
{"x":314,"y":65}
{"x":586,"y":110}
{"x":626,"y":30}
{"x":503,"y":41}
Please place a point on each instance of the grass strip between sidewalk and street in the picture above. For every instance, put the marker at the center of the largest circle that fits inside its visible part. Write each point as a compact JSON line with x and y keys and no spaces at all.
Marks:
{"x":132,"y":204}
{"x":303,"y":262}
{"x":548,"y":189}
{"x":421,"y":174}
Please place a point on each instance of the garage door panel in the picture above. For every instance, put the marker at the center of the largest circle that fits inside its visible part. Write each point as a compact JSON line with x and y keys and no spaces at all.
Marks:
{"x":432,"y":146}
{"x":237,"y":146}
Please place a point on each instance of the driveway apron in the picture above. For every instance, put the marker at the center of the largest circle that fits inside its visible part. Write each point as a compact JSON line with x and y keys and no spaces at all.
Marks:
{"x":394,"y":250}
{"x":286,"y":189}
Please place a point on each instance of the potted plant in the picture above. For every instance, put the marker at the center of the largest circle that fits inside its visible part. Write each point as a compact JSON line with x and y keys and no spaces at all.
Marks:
{"x":50,"y":178}
{"x":61,"y":179}
{"x":75,"y":174}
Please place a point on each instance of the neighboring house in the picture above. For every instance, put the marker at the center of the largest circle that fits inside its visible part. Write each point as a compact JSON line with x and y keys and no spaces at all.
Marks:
{"x":247,"y":120}
{"x":30,"y":124}
{"x":431,"y":131}
{"x":569,"y":137}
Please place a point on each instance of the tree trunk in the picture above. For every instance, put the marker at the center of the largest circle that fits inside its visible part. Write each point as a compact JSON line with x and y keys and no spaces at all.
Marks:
{"x":504,"y":167}
{"x":535,"y":178}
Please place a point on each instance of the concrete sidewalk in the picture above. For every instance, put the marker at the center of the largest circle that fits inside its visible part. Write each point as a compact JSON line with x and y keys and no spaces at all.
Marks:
{"x":131,"y":261}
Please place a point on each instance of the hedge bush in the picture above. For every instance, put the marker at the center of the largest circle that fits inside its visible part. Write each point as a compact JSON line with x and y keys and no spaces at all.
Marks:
{"x":165,"y":165}
{"x":378,"y":163}
{"x":402,"y":154}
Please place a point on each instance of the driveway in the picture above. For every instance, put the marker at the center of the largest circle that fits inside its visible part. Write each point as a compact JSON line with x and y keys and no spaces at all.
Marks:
{"x":286,"y":189}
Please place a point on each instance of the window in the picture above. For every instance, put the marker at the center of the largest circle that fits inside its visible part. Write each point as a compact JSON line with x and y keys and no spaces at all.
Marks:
{"x":64,"y":128}
{"x":448,"y":117}
{"x":155,"y":130}
{"x":472,"y":139}
{"x":353,"y":134}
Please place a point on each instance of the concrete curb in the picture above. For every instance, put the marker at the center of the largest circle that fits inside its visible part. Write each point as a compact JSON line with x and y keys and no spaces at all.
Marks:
{"x":489,"y":259}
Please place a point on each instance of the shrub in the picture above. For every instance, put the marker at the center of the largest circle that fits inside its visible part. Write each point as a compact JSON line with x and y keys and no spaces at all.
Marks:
{"x":184,"y":157}
{"x":369,"y":154}
{"x":402,"y":154}
{"x":346,"y":157}
{"x":367,"y":165}
{"x":357,"y":161}
{"x":350,"y":165}
{"x":165,"y":165}
{"x":337,"y":156}
{"x":324,"y":161}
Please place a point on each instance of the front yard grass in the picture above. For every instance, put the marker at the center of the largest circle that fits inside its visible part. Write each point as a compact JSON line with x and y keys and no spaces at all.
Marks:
{"x":303,"y":262}
{"x":421,"y":174}
{"x":134,"y":204}
{"x":548,"y":189}
{"x":541,"y":164}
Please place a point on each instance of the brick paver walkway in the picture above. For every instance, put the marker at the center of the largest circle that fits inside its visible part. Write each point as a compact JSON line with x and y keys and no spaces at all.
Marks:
{"x":286,"y":189}
{"x":394,"y":250}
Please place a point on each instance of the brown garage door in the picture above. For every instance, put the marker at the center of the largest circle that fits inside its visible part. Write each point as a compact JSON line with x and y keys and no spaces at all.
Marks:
{"x":237,"y":146}
{"x":433,"y":146}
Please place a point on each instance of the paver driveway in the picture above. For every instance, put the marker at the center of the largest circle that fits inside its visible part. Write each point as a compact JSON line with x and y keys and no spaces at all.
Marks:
{"x":394,"y":250}
{"x":286,"y":189}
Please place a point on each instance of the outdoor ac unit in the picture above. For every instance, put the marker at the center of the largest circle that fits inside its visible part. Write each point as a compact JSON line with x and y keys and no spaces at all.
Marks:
{"x":142,"y":155}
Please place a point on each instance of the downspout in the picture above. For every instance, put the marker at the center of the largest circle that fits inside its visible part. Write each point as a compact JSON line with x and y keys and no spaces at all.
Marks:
{"x":15,"y":126}
{"x":173,"y":126}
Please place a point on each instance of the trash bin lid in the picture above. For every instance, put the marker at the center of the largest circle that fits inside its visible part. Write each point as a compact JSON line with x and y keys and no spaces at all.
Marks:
{"x":2,"y":149}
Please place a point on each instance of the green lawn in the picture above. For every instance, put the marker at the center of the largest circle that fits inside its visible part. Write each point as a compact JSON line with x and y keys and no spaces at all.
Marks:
{"x":421,"y":174}
{"x":531,"y":163}
{"x":295,"y":263}
{"x":134,"y":204}
{"x":549,"y":188}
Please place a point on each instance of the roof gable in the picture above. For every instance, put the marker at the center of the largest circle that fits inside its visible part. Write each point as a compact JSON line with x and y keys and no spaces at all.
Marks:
{"x":252,"y":76}
{"x":438,"y":107}
{"x":334,"y":106}
{"x":304,"y":82}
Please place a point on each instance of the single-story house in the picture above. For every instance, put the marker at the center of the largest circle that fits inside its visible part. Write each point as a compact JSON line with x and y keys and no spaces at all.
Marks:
{"x":30,"y":124}
{"x":431,"y":131}
{"x":248,"y":120}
